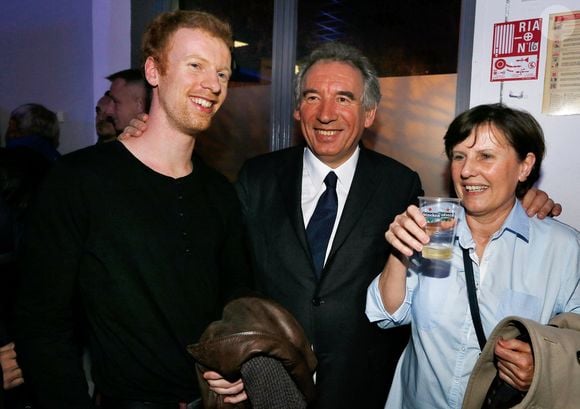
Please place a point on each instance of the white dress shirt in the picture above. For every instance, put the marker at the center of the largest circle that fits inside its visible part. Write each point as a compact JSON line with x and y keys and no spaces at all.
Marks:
{"x":313,"y":173}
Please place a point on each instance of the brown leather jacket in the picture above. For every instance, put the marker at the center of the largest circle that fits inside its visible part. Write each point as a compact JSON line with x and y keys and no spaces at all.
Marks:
{"x":251,"y":327}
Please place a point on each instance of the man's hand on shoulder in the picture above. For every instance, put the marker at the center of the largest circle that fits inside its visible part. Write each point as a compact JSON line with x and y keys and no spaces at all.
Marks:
{"x":136,"y":127}
{"x":537,"y":203}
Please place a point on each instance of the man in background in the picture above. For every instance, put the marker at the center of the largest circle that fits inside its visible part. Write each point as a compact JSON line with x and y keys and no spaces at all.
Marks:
{"x":31,"y":140}
{"x":130,"y":96}
{"x":104,"y":121}
{"x":34,"y":127}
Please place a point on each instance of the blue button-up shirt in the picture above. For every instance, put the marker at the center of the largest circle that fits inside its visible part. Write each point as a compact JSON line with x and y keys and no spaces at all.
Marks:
{"x":530,"y":268}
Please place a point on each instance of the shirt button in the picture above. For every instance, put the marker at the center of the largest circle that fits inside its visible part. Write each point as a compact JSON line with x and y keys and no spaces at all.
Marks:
{"x":184,"y":233}
{"x":187,"y":251}
{"x":180,"y":214}
{"x":317,"y":301}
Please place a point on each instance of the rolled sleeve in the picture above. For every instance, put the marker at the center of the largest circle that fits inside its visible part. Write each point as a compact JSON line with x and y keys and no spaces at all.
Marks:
{"x":375,"y":310}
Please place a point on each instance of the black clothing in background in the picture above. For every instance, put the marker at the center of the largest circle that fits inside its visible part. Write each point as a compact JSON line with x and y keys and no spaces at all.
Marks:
{"x":22,"y":169}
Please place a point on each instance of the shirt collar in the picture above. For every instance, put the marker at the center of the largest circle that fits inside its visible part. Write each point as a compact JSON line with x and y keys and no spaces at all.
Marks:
{"x":318,"y":169}
{"x":517,"y":223}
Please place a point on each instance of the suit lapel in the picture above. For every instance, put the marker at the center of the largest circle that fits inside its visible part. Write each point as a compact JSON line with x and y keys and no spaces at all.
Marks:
{"x":361,"y":191}
{"x":289,"y":179}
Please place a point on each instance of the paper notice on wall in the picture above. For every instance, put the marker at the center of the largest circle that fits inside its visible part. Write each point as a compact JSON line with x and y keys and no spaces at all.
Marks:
{"x":516,"y":50}
{"x":562,"y":82}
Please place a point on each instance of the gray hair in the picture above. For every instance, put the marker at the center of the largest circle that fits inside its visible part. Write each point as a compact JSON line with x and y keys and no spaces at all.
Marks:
{"x":35,"y":119}
{"x":335,"y":51}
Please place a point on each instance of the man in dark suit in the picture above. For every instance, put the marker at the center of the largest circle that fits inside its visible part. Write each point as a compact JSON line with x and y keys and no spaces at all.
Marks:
{"x":337,"y":97}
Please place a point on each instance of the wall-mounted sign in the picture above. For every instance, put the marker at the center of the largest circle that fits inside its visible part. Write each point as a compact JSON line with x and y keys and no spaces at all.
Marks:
{"x":562,"y":81}
{"x":516,"y":50}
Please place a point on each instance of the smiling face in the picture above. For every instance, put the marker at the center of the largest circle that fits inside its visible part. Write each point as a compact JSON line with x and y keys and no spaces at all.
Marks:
{"x":485,"y":170}
{"x":194,"y":83}
{"x":330,"y":111}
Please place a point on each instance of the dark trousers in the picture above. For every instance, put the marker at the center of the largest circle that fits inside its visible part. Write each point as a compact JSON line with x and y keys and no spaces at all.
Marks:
{"x":104,"y":402}
{"x":1,"y":391}
{"x":17,"y":398}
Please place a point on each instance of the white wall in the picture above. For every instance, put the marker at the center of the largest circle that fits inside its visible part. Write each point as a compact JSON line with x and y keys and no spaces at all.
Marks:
{"x":561,"y":167}
{"x":111,"y":41}
{"x":57,"y":53}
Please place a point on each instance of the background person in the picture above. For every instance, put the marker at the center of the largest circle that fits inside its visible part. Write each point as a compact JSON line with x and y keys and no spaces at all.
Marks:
{"x":21,"y":171}
{"x":522,"y":266}
{"x":31,"y":140}
{"x":104,"y":121}
{"x":130,"y":94}
{"x":33,"y":126}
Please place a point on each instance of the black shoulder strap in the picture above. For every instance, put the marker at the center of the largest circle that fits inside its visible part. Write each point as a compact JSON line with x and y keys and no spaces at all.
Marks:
{"x":473,"y":306}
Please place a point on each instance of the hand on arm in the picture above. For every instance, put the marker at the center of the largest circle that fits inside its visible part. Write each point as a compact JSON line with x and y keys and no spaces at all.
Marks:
{"x":136,"y":127}
{"x":537,"y":203}
{"x":11,"y":372}
{"x":234,"y":391}
{"x":515,"y":363}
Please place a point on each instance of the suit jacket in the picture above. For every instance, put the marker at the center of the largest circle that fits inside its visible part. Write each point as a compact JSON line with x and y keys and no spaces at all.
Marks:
{"x":356,"y":359}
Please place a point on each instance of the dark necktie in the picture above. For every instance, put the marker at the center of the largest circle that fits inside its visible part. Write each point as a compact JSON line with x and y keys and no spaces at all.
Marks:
{"x":321,"y":223}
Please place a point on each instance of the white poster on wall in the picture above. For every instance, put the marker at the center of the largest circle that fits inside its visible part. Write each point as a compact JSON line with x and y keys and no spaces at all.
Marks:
{"x":562,"y":80}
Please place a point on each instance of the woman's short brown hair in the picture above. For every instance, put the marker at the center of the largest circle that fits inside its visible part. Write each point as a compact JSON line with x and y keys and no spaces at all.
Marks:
{"x":520,"y":129}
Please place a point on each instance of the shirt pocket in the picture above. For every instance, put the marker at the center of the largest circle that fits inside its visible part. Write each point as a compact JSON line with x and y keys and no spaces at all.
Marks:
{"x":519,"y":304}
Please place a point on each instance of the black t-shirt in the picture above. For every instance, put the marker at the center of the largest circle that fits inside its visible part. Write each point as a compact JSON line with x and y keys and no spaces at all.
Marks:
{"x":151,"y":261}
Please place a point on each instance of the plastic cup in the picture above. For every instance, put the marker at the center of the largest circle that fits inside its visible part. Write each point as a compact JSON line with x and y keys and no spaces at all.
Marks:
{"x":440,"y":213}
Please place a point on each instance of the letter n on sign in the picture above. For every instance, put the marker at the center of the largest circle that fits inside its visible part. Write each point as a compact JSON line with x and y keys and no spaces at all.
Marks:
{"x":516,"y":50}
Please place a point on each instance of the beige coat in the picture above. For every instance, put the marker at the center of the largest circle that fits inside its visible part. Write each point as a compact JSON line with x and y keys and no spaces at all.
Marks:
{"x":556,"y":348}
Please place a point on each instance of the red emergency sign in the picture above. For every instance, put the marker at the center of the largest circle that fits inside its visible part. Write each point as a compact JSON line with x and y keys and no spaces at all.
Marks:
{"x":516,"y":50}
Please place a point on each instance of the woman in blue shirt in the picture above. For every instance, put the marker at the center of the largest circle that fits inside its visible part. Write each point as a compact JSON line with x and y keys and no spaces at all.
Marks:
{"x":522,"y":266}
